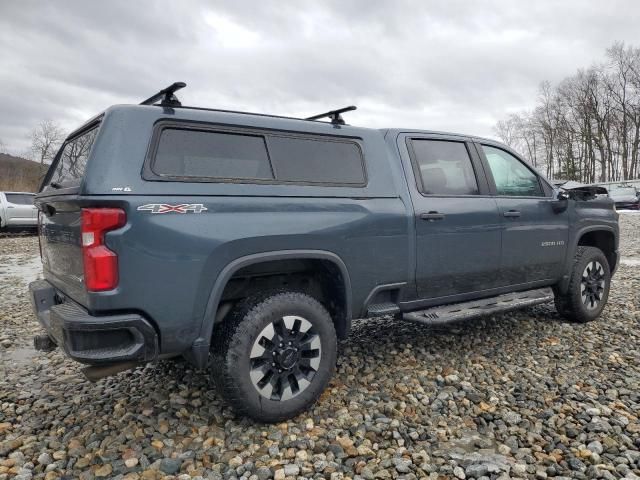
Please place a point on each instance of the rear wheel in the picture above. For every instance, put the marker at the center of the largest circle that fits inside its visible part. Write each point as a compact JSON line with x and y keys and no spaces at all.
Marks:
{"x":275,"y":355}
{"x":588,"y":287}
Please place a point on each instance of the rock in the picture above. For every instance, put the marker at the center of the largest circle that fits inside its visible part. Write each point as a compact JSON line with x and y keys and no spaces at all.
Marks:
{"x":59,"y":455}
{"x":511,"y":418}
{"x":476,"y":470}
{"x":170,"y":466}
{"x":519,"y":469}
{"x":459,"y":473}
{"x":595,"y":447}
{"x":264,"y":473}
{"x":291,"y":470}
{"x":45,"y":459}
{"x":131,"y":462}
{"x":576,"y":464}
{"x":403,"y":465}
{"x":157,"y":444}
{"x":279,"y":474}
{"x":382,"y":473}
{"x":104,"y":471}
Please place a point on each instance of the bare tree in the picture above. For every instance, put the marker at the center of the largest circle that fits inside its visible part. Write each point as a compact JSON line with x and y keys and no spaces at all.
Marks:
{"x":586,"y":128}
{"x":507,"y":130}
{"x":45,"y":141}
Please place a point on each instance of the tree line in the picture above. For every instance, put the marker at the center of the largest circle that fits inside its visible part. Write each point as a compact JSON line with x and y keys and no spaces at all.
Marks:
{"x":586,"y":128}
{"x":16,"y":175}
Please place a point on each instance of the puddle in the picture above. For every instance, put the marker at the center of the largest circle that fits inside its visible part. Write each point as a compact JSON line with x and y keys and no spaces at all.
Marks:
{"x":26,"y":269}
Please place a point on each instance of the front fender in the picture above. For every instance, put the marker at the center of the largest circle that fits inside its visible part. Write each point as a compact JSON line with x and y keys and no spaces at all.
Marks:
{"x":563,"y":285}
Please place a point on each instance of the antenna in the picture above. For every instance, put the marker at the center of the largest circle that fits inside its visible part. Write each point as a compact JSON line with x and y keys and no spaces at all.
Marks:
{"x":334,"y":115}
{"x":169,"y":100}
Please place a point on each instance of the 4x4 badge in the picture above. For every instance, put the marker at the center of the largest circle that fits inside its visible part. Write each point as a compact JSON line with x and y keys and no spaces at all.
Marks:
{"x":165,"y":208}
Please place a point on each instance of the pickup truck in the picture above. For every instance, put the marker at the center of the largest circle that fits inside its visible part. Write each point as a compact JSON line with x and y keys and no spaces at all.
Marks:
{"x":17,"y":210}
{"x":247,"y":243}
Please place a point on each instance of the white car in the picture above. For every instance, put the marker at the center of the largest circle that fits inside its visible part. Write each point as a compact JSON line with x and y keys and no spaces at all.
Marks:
{"x":17,"y":210}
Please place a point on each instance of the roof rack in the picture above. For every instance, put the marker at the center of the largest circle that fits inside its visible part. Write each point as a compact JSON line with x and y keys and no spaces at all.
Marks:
{"x":167,"y":95}
{"x":334,"y":115}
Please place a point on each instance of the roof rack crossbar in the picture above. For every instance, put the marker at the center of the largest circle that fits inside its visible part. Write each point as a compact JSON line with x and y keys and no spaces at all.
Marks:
{"x":334,"y":115}
{"x":167,"y":96}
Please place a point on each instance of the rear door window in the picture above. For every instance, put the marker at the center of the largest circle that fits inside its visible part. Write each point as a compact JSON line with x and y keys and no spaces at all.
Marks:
{"x":444,"y":167}
{"x":71,"y":163}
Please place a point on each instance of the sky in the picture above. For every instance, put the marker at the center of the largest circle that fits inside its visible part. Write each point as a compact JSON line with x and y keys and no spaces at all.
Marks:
{"x":439,"y":65}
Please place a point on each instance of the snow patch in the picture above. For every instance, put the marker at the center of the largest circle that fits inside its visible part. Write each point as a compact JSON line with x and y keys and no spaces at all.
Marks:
{"x":633,"y":262}
{"x":25,"y":268}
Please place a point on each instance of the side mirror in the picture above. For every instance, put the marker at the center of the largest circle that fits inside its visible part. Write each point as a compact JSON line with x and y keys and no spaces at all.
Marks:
{"x":561,"y":203}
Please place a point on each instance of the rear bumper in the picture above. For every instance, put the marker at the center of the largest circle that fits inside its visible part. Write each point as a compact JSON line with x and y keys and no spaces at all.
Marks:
{"x":94,"y":340}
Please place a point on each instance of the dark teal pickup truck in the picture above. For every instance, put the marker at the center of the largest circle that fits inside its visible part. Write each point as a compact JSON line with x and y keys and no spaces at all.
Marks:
{"x":246,"y":243}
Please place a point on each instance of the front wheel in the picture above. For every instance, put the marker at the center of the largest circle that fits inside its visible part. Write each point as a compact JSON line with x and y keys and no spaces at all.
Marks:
{"x":588,"y":286}
{"x":275,"y":355}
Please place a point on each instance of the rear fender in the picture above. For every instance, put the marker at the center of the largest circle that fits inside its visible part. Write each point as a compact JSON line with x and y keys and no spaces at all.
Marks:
{"x":199,"y":352}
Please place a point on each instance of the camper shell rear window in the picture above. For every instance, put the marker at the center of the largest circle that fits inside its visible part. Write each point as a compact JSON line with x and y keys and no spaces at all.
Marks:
{"x":70,"y":163}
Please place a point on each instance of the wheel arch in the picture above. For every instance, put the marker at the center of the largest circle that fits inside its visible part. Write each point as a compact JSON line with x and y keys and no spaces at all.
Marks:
{"x":603,"y":237}
{"x":199,"y":351}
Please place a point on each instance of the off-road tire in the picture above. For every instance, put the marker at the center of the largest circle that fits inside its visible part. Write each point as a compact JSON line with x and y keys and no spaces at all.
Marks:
{"x":571,"y":305}
{"x":234,"y":344}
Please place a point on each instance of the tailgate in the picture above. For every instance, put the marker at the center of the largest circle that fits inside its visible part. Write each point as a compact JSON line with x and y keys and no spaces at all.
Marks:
{"x":60,"y":214}
{"x":60,"y":246}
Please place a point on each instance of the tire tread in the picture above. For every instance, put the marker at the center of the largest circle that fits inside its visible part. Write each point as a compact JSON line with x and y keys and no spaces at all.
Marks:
{"x":569,"y":304}
{"x":226,"y":347}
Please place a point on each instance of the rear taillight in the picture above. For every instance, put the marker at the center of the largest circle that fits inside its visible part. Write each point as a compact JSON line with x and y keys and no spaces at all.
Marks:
{"x":100,"y":263}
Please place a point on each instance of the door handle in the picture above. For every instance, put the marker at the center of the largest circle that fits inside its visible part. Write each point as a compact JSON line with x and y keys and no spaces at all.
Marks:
{"x":512,"y":214}
{"x":432,"y":216}
{"x":10,"y":206}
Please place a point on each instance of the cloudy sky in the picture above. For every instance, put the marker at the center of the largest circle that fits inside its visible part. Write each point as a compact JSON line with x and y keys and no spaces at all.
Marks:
{"x":442,"y":65}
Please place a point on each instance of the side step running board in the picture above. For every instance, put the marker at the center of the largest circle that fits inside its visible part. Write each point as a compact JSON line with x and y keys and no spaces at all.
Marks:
{"x":486,"y":306}
{"x":382,"y":309}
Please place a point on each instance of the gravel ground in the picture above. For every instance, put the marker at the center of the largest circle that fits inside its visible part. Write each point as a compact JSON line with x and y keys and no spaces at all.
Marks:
{"x":517,"y":395}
